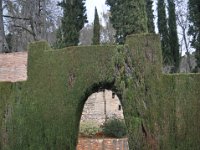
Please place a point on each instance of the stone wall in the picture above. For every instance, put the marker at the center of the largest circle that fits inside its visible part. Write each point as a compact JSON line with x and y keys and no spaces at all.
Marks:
{"x":101,"y":105}
{"x":13,"y":66}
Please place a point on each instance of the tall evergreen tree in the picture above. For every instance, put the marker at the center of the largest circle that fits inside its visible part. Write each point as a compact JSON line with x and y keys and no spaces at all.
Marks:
{"x":194,"y":31}
{"x":74,"y":17}
{"x":164,"y":34}
{"x":127,"y":17}
{"x":96,"y":30}
{"x":173,"y":35}
{"x":59,"y":39}
{"x":150,"y":16}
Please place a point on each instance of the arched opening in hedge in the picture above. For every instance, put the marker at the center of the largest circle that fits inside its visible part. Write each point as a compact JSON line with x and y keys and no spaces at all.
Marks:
{"x":99,"y":108}
{"x":102,"y":119}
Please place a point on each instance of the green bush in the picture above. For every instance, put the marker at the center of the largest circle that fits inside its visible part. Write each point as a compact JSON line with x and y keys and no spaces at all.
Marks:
{"x":89,"y":128}
{"x":115,"y":127}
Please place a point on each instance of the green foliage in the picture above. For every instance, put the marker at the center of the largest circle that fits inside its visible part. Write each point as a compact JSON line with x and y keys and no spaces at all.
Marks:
{"x":194,"y":30}
{"x":5,"y":93}
{"x":128,"y":17}
{"x":96,"y":29}
{"x":173,"y":35}
{"x":59,"y":39}
{"x":89,"y":128}
{"x":150,"y":16}
{"x":140,"y":94}
{"x":164,"y":33}
{"x":46,"y":109}
{"x":160,"y":111}
{"x":114,"y":127}
{"x":74,"y":17}
{"x":168,"y":34}
{"x":180,"y":99}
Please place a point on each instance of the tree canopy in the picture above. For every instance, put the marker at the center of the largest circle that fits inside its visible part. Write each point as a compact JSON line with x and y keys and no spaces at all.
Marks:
{"x":74,"y":17}
{"x":173,"y":35}
{"x":164,"y":34}
{"x":150,"y":16}
{"x":128,"y":17}
{"x":194,"y":30}
{"x":96,"y":29}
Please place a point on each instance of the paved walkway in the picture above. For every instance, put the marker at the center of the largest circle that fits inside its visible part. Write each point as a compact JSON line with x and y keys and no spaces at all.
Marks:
{"x":102,"y":144}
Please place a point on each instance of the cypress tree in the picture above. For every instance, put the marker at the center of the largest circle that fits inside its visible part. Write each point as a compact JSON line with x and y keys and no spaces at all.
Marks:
{"x":74,"y":17}
{"x":96,"y":30}
{"x":128,"y":17}
{"x":164,"y":34}
{"x":194,"y":29}
{"x":59,"y":39}
{"x":173,"y":35}
{"x":150,"y":16}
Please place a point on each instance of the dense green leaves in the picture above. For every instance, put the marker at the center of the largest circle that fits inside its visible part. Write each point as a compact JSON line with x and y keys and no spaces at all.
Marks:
{"x":150,"y":16}
{"x":96,"y":29}
{"x":164,"y":34}
{"x":168,"y":32}
{"x":74,"y":17}
{"x":44,"y":112}
{"x":128,"y":17}
{"x":115,"y":127}
{"x":194,"y":31}
{"x":173,"y":35}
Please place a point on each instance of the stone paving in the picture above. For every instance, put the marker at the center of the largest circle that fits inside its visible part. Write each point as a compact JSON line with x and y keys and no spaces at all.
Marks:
{"x":102,"y":144}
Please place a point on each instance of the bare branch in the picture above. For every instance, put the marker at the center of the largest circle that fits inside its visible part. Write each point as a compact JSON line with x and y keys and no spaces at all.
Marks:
{"x":29,"y":31}
{"x":14,"y":17}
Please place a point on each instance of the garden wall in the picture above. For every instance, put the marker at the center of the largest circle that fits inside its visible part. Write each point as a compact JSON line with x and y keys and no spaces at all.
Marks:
{"x":13,"y":68}
{"x":160,"y":111}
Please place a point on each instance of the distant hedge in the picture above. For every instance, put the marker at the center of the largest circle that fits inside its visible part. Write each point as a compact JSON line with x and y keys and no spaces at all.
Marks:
{"x":161,"y":111}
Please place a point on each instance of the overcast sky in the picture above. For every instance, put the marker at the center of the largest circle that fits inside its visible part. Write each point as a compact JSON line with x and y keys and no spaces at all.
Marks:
{"x":90,"y":5}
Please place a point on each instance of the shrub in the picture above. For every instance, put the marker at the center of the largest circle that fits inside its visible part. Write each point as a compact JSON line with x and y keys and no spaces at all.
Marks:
{"x":89,"y":128}
{"x":115,"y":127}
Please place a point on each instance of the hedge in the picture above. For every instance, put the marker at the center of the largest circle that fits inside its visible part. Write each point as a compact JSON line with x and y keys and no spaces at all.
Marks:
{"x":161,"y":111}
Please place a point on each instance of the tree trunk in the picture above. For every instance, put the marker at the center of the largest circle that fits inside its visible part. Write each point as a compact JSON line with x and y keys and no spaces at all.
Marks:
{"x":3,"y":43}
{"x":187,"y":50}
{"x":105,"y":111}
{"x":39,"y":19}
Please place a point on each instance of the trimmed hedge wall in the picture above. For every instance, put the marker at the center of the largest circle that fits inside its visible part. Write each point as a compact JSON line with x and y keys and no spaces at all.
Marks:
{"x":161,"y":111}
{"x":181,"y":115}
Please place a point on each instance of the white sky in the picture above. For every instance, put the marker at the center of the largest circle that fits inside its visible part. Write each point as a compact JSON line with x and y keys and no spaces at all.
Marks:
{"x":90,"y":5}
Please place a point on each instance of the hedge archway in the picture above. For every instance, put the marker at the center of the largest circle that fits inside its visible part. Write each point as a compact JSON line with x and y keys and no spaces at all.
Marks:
{"x":44,"y":111}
